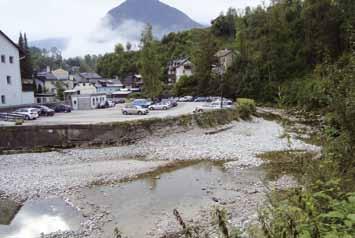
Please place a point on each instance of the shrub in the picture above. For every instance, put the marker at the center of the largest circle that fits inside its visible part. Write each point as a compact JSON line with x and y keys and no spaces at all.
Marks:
{"x":246,"y":107}
{"x":19,"y":122}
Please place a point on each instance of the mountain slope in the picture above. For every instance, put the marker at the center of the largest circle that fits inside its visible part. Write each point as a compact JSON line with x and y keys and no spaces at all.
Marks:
{"x":162,"y":17}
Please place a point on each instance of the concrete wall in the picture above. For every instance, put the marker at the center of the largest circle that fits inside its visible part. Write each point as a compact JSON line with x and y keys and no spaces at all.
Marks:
{"x":12,"y":92}
{"x":66,"y":136}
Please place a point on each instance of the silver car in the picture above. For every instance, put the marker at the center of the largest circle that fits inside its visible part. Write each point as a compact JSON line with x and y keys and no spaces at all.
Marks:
{"x":28,"y":113}
{"x":212,"y":106}
{"x":134,"y":110}
{"x":161,"y":106}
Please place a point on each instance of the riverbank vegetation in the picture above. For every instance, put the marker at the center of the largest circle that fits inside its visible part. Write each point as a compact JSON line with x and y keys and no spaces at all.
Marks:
{"x":299,"y":54}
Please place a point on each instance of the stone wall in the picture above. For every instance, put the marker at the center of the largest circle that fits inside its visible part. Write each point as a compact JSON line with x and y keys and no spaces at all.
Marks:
{"x":28,"y":138}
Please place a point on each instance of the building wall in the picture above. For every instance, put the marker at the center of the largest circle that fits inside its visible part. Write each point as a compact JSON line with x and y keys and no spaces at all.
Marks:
{"x":182,"y":71}
{"x":85,"y":88}
{"x":61,"y":74}
{"x":87,"y":102}
{"x":11,"y":92}
{"x":27,"y":97}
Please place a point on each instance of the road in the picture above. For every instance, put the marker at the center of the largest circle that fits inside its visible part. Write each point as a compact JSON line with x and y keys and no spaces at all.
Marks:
{"x":109,"y":115}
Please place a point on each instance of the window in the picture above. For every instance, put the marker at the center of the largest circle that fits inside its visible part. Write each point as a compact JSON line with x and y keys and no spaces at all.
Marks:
{"x":3,"y":99}
{"x":8,"y":79}
{"x":3,"y":59}
{"x":11,"y":59}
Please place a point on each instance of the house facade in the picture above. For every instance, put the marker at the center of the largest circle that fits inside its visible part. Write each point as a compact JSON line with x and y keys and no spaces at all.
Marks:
{"x":11,"y":92}
{"x":47,"y":84}
{"x":87,"y":101}
{"x":178,"y":69}
{"x":226,"y":58}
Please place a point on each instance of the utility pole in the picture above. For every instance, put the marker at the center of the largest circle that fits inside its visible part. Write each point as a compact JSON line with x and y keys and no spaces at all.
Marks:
{"x":221,"y":73}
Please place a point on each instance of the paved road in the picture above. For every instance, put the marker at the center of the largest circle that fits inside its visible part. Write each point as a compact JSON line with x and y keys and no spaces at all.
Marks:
{"x":108,"y":115}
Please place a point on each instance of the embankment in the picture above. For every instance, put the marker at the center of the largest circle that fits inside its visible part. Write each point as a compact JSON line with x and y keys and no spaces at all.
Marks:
{"x":17,"y":138}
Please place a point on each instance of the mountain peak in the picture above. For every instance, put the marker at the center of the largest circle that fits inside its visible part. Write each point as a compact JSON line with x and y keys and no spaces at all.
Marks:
{"x":161,"y":16}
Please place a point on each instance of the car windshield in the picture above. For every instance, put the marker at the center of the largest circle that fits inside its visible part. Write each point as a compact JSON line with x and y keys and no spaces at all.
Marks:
{"x":33,"y":110}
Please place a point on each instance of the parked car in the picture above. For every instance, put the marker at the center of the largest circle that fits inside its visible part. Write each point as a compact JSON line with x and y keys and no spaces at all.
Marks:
{"x":44,"y":110}
{"x":173,"y":102}
{"x":212,"y":106}
{"x":131,"y":109}
{"x":186,"y":99}
{"x":161,"y":106}
{"x":201,"y":99}
{"x":106,"y":104}
{"x":28,"y":113}
{"x":120,"y":100}
{"x":225,"y":101}
{"x":62,"y":108}
{"x":142,"y":103}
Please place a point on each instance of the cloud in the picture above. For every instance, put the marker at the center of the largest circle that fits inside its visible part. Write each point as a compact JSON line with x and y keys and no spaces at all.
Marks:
{"x":80,"y":20}
{"x":103,"y":39}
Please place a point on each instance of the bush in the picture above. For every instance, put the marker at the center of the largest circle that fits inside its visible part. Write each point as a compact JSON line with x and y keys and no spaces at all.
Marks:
{"x":246,"y":107}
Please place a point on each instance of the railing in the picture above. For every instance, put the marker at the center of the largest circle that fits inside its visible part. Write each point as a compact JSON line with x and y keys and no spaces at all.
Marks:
{"x":10,"y":116}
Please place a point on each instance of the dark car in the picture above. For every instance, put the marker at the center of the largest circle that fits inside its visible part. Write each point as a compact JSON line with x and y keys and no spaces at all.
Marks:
{"x":45,"y":111}
{"x":171,"y":101}
{"x":62,"y":108}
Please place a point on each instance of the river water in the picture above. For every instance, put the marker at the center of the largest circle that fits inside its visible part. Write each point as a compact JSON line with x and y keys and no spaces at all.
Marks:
{"x":138,"y":207}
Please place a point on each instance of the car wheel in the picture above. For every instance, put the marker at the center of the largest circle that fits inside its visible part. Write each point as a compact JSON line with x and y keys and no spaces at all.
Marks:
{"x":140,"y":113}
{"x":27,"y":118}
{"x":125,"y":113}
{"x":200,"y":110}
{"x":165,"y":108}
{"x":151,"y":108}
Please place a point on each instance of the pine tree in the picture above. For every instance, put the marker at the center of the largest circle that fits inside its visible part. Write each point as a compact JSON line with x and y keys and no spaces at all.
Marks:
{"x":26,"y":62}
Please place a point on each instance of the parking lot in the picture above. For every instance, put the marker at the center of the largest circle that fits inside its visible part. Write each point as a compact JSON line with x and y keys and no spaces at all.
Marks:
{"x":110,"y":115}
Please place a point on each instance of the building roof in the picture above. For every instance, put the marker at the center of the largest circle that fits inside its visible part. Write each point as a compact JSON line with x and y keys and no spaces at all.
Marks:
{"x":9,"y":39}
{"x":46,"y":76}
{"x":179,"y":62}
{"x":90,"y":75}
{"x":224,"y":53}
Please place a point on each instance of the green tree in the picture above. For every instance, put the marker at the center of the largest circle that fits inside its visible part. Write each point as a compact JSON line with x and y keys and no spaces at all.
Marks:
{"x":150,"y":66}
{"x":204,"y":59}
{"x":60,"y":91}
{"x":26,"y":62}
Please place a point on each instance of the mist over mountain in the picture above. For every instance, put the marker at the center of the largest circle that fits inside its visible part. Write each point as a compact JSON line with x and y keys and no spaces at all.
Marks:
{"x":59,"y":43}
{"x":122,"y":24}
{"x":161,"y":16}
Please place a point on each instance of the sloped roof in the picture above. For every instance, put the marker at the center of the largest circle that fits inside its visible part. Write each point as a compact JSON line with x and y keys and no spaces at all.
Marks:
{"x":8,"y":38}
{"x":48,"y":76}
{"x":90,"y":75}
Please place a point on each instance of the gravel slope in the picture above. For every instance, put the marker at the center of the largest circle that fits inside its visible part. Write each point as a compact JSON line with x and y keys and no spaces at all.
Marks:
{"x":27,"y":175}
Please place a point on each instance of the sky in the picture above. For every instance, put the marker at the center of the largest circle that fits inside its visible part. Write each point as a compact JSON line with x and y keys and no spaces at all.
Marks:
{"x":76,"y":18}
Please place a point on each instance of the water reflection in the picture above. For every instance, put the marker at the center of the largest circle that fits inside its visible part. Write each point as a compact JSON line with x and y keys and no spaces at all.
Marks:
{"x":146,"y":200}
{"x":37,"y":217}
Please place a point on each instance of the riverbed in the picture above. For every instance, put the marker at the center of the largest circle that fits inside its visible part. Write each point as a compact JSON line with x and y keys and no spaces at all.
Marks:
{"x":135,"y":188}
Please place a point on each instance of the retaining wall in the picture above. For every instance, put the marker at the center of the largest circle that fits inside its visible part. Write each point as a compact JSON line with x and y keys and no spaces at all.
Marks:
{"x":118,"y":133}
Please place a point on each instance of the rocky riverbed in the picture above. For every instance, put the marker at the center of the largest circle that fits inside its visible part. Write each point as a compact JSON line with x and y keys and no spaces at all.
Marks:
{"x":70,"y":173}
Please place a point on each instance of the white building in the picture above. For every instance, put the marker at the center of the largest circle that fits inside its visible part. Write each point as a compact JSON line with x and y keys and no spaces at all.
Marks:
{"x":11,"y":93}
{"x":178,"y":69}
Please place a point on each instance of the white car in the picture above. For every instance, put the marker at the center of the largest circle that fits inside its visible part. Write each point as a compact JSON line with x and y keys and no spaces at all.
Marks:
{"x":212,"y":106}
{"x":28,"y":113}
{"x":161,"y":106}
{"x":134,"y":110}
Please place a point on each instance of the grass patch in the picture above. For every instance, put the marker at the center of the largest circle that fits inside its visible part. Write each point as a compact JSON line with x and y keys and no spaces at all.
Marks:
{"x":280,"y":163}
